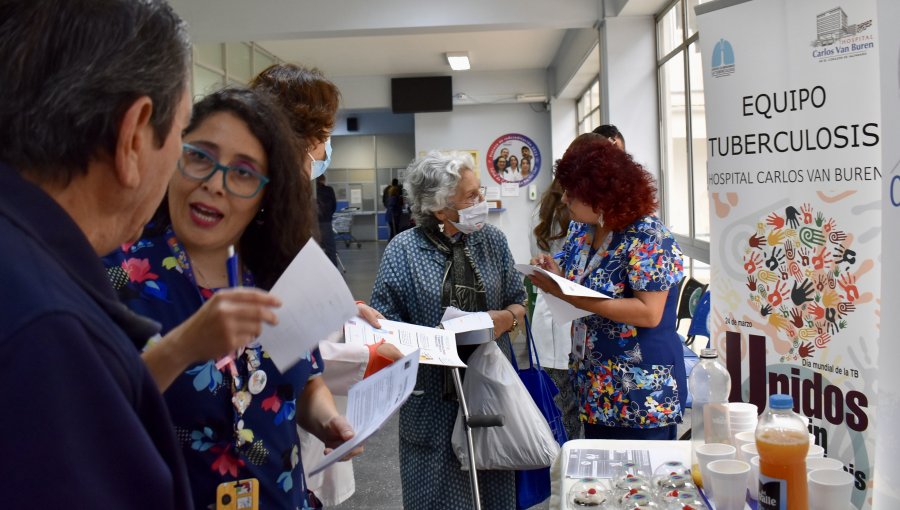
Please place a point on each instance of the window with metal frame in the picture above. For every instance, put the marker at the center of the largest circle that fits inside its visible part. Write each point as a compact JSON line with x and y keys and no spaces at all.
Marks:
{"x":685,"y":203}
{"x":588,"y":108}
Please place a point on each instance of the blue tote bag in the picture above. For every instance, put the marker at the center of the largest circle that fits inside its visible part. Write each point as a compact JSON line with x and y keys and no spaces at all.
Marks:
{"x":533,"y":486}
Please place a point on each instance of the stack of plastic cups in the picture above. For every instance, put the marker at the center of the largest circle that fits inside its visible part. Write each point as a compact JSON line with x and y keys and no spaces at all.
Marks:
{"x":742,"y":416}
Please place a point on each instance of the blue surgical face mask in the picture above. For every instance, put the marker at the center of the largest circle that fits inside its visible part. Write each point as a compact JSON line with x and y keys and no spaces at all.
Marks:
{"x":319,"y":167}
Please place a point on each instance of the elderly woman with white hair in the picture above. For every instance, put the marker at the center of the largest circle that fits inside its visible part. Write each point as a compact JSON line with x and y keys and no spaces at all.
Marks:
{"x":452,"y":258}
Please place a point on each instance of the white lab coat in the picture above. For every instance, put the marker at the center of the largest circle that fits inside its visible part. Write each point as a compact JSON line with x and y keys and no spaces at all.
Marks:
{"x":552,"y":340}
{"x":345,"y":366}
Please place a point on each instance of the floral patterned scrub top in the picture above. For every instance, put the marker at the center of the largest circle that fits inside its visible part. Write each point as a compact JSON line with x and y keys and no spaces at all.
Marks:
{"x":629,"y":377}
{"x":153,"y":277}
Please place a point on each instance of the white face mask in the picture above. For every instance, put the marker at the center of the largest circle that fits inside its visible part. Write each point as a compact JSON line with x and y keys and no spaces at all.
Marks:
{"x":472,"y":219}
{"x":319,"y":167}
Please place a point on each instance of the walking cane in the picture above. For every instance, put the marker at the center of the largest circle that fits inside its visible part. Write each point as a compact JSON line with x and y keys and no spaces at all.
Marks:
{"x":470,"y":422}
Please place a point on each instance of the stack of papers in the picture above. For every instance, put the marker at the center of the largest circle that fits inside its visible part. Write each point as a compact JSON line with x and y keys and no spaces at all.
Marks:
{"x":435,"y":346}
{"x":562,"y":311}
{"x":471,"y":328}
{"x":372,"y":401}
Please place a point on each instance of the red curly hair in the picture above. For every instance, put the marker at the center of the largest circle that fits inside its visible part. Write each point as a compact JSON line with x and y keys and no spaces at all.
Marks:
{"x":309,"y":99}
{"x":596,"y":172}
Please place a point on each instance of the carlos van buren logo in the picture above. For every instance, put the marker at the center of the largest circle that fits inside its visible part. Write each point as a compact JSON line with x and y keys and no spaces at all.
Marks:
{"x":722,"y":59}
{"x":836,"y":40}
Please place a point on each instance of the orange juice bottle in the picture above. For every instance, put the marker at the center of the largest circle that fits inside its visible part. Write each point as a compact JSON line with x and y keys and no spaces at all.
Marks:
{"x":783,"y":443}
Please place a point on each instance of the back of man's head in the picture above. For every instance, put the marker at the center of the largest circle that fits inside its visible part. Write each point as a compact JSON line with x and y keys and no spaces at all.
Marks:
{"x":69,"y":70}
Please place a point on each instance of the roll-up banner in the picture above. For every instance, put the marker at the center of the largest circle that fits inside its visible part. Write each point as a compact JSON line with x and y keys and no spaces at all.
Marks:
{"x":887,"y":476}
{"x":795,"y":174}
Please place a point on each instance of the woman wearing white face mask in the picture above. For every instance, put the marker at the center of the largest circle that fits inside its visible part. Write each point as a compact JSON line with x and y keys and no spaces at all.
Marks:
{"x":452,"y":258}
{"x":311,"y":102}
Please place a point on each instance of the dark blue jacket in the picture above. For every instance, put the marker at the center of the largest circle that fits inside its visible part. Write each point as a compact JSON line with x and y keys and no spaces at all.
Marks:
{"x":83,"y":424}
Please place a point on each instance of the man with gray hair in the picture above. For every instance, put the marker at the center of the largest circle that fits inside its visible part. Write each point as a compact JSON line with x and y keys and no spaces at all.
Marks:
{"x":93,"y":99}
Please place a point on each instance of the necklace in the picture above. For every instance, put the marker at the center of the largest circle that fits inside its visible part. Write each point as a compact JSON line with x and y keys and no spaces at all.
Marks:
{"x":203,"y":281}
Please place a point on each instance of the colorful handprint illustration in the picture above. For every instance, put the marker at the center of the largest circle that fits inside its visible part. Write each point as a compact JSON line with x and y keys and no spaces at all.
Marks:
{"x":800,"y":277}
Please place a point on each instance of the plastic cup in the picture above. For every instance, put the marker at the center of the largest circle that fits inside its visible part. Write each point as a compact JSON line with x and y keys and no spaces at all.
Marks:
{"x":743,"y":408}
{"x":815,"y":463}
{"x":829,"y":489}
{"x":753,"y":479}
{"x":812,"y":438}
{"x":815,"y":451}
{"x":709,"y":452}
{"x":729,"y":482}
{"x":748,"y":451}
{"x":742,"y":438}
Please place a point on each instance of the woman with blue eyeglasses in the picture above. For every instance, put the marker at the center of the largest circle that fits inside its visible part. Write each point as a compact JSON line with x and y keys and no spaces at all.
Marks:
{"x":239,"y":183}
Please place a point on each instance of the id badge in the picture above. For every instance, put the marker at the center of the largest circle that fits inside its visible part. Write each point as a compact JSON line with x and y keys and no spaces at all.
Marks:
{"x":238,"y":495}
{"x":579,"y":339}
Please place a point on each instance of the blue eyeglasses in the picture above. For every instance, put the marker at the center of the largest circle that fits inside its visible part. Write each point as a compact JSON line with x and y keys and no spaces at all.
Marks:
{"x":241,"y":181}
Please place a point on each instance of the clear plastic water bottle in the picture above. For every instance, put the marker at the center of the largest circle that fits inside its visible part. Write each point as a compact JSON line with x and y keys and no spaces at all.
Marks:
{"x":710,"y":385}
{"x":783,"y":443}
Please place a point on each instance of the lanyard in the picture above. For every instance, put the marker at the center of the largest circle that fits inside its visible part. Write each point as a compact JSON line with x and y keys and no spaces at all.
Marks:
{"x":581,"y":262}
{"x":247,"y":379}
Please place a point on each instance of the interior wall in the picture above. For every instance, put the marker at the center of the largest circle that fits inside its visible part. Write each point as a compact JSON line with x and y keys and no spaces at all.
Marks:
{"x":374,"y":92}
{"x":476,"y":128}
{"x":628,"y":85}
{"x":563,"y":121}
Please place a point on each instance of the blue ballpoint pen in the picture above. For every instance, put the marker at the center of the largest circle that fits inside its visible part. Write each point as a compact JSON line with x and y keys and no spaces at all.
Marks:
{"x":234,"y":280}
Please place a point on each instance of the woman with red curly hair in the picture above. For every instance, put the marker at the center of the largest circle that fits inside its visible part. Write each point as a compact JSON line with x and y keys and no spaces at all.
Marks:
{"x":627,"y":357}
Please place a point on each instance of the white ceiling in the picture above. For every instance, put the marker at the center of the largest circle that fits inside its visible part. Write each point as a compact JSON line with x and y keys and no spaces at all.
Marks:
{"x":350,"y":38}
{"x":404,"y":54}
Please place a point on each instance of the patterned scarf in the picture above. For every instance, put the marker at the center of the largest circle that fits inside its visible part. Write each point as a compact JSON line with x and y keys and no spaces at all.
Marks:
{"x":462,"y":286}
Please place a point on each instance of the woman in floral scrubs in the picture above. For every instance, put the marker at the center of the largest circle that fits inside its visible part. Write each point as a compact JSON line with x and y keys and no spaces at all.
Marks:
{"x":626,"y":362}
{"x":239,"y":183}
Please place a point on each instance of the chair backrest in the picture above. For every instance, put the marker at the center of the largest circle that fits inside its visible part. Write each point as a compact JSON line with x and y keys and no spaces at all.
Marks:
{"x":700,"y":320}
{"x":691,"y":291}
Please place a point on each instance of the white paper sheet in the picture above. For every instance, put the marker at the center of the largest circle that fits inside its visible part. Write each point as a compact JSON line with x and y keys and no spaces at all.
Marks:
{"x":492,"y":193}
{"x":372,"y":401}
{"x":509,"y":189}
{"x":435,"y":346}
{"x":471,"y":328}
{"x":562,"y":311}
{"x":315,"y":303}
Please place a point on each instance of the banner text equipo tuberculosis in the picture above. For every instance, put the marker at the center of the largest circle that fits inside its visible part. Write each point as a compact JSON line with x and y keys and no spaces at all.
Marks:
{"x":795,"y":140}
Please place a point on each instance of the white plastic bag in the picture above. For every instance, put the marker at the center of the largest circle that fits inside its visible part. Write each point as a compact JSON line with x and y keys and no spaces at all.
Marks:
{"x":492,"y":386}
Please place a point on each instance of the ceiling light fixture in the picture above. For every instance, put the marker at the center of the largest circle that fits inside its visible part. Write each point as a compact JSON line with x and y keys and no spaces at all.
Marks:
{"x":458,"y":60}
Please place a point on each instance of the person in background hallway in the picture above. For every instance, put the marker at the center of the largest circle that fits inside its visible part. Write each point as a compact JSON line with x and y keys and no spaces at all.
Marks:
{"x":612,"y":134}
{"x":327,"y":205}
{"x":451,"y":258}
{"x":392,"y":198}
{"x":93,"y":99}
{"x":628,"y":367}
{"x":311,"y":102}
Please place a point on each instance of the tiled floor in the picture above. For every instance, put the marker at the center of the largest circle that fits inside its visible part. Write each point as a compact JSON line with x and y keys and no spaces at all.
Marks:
{"x":378,"y":469}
